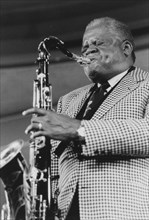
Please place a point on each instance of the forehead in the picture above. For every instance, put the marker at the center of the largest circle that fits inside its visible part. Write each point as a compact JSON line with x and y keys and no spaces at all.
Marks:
{"x":97,"y":32}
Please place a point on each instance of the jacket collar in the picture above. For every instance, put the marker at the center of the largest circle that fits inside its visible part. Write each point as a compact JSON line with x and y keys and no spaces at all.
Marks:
{"x":128,"y":84}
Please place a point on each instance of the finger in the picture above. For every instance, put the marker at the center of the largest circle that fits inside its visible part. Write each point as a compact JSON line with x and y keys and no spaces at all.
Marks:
{"x":34,"y":111}
{"x":36,"y":119}
{"x":37,"y":134}
{"x":32,"y":127}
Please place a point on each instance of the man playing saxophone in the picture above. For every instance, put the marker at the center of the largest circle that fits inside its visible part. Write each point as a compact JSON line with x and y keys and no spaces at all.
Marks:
{"x":100,"y":132}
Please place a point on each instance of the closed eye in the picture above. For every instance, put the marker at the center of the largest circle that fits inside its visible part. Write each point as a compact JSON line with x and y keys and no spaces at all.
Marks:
{"x":99,"y":43}
{"x":95,"y":43}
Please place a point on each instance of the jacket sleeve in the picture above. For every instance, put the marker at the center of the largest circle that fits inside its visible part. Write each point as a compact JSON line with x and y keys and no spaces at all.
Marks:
{"x":117,"y":136}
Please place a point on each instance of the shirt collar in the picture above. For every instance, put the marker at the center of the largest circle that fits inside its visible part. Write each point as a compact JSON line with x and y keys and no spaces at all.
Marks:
{"x":114,"y":80}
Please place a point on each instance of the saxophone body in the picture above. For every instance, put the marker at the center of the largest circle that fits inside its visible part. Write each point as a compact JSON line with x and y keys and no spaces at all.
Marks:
{"x":28,"y":189}
{"x":40,"y":158}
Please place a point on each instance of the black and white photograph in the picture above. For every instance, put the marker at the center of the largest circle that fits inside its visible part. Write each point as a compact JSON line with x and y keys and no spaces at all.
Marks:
{"x":74,"y":110}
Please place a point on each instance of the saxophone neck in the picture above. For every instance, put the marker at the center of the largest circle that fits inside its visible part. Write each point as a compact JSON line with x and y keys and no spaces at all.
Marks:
{"x":54,"y":43}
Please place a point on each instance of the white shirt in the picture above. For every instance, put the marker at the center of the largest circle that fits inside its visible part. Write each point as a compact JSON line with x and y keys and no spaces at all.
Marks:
{"x":114,"y":80}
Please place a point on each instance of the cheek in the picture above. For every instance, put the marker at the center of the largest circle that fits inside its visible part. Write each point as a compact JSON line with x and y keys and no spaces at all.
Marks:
{"x":111,"y":57}
{"x":107,"y":58}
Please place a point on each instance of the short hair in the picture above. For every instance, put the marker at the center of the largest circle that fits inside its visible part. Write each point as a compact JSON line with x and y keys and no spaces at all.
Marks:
{"x":117,"y":27}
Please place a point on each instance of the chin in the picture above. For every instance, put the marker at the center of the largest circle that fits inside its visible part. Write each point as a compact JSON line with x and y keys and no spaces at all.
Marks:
{"x":96,"y":75}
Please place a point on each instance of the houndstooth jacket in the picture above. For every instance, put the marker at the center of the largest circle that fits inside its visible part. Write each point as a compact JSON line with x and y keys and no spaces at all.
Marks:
{"x":111,"y":170}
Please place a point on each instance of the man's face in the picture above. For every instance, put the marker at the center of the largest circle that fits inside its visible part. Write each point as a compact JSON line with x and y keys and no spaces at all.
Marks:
{"x":105,"y":51}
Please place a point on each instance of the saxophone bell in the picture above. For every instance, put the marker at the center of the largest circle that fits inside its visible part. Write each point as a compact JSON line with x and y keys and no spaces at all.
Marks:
{"x":13,"y":168}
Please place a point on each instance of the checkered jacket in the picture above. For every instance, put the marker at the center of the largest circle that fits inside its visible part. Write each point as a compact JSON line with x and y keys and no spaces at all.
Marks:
{"x":112,"y":169}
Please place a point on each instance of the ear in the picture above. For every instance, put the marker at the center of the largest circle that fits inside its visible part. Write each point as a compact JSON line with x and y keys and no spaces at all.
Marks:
{"x":127,"y":47}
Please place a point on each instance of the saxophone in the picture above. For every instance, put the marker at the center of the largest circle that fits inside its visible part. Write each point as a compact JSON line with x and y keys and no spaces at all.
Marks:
{"x":37,"y":202}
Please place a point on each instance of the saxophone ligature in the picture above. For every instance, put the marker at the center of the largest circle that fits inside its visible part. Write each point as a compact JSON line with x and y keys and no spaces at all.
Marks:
{"x":31,"y":186}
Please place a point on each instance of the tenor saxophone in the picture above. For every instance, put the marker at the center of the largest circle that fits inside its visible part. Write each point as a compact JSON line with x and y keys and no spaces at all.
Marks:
{"x":39,"y":157}
{"x":38,"y":202}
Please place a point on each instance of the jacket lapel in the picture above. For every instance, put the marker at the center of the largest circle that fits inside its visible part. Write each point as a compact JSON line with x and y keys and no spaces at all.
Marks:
{"x":124,"y":87}
{"x":78,"y":101}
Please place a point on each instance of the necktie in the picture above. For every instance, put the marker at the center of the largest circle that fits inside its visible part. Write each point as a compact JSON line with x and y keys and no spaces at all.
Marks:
{"x":95,"y":100}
